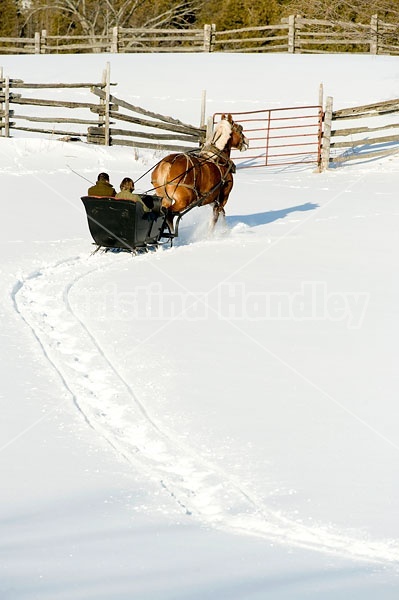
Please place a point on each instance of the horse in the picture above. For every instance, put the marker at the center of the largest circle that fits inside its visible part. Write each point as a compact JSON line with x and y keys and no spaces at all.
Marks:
{"x":201,"y":177}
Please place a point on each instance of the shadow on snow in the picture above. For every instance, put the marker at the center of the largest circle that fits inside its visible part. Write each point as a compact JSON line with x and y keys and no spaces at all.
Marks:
{"x":268,"y":217}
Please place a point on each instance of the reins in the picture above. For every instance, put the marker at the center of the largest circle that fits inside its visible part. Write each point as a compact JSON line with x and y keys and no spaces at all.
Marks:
{"x":201,"y":160}
{"x":219,"y":184}
{"x":154,"y":166}
{"x":215,"y":150}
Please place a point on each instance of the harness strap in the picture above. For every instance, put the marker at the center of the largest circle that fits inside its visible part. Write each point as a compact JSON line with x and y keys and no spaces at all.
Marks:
{"x":200,"y":199}
{"x":201,"y":157}
{"x":180,"y":178}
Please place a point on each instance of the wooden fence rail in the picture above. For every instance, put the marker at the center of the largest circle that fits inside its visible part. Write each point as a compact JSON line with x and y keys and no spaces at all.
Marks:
{"x":179,"y":131}
{"x":360,"y":142}
{"x":28,"y":121}
{"x":294,"y":34}
{"x":278,"y":136}
{"x":98,"y":130}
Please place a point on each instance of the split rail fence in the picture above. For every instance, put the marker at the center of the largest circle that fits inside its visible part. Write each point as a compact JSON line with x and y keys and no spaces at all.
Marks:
{"x":95,"y":120}
{"x":282,"y":136}
{"x":350,"y":135}
{"x":293,"y":34}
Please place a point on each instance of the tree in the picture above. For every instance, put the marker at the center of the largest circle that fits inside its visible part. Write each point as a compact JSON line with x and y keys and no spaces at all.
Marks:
{"x":91,"y":17}
{"x":9,"y":18}
{"x":351,"y":11}
{"x":235,"y":14}
{"x":345,"y":10}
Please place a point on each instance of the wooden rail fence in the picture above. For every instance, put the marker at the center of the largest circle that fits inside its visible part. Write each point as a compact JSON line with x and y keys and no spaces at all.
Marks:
{"x":294,"y":34}
{"x":26,"y":120}
{"x":293,"y":135}
{"x":94,"y":120}
{"x":178,"y":131}
{"x":343,"y":141}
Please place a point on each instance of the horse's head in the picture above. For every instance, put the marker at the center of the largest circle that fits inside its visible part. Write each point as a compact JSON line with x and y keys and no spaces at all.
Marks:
{"x":237,"y":137}
{"x":227,"y":135}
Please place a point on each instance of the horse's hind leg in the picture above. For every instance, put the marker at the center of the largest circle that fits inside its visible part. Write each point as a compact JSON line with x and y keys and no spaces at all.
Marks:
{"x":169,"y":220}
{"x":217,"y":211}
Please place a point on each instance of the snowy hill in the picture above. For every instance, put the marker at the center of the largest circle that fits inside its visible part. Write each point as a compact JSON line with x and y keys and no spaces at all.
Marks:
{"x":217,"y":420}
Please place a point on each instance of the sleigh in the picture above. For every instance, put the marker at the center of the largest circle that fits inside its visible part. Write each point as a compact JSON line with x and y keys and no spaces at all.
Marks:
{"x":125,"y":225}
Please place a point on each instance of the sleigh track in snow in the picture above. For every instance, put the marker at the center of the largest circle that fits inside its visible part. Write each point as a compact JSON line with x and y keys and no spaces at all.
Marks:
{"x":110,"y":405}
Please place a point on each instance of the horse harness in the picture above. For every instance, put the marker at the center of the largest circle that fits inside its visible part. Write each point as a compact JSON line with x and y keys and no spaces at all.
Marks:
{"x":208,"y":154}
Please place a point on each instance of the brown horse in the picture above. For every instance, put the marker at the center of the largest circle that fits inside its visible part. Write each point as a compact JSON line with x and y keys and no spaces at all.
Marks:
{"x":204,"y":177}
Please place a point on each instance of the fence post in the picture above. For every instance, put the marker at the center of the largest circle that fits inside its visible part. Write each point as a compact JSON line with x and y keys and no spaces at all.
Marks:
{"x":291,"y":33}
{"x":7,"y":107}
{"x":209,"y":128}
{"x":106,"y":81}
{"x":37,"y":42}
{"x":1,"y":101}
{"x":374,"y":34}
{"x":320,"y":134}
{"x":325,"y":151}
{"x":43,"y":42}
{"x":115,"y":39}
{"x":209,"y":32}
{"x":203,"y":108}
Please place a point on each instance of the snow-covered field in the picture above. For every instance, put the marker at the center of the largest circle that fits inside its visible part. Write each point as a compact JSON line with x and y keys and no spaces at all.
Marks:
{"x":218,"y":420}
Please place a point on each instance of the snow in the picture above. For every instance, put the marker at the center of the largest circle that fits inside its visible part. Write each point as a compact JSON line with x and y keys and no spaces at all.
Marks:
{"x":219,"y":419}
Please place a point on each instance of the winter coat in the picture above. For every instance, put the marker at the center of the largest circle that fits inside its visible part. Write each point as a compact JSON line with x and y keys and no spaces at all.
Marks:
{"x":126,"y":195}
{"x":102,"y":188}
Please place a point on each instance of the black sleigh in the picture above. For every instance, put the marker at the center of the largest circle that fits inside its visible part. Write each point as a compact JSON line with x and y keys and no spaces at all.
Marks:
{"x":125,"y":225}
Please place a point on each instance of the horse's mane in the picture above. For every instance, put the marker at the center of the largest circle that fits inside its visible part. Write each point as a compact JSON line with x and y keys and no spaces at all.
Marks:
{"x":220,"y":136}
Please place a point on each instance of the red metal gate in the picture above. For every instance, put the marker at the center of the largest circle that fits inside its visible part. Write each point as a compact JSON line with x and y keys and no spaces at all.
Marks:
{"x":280,"y":136}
